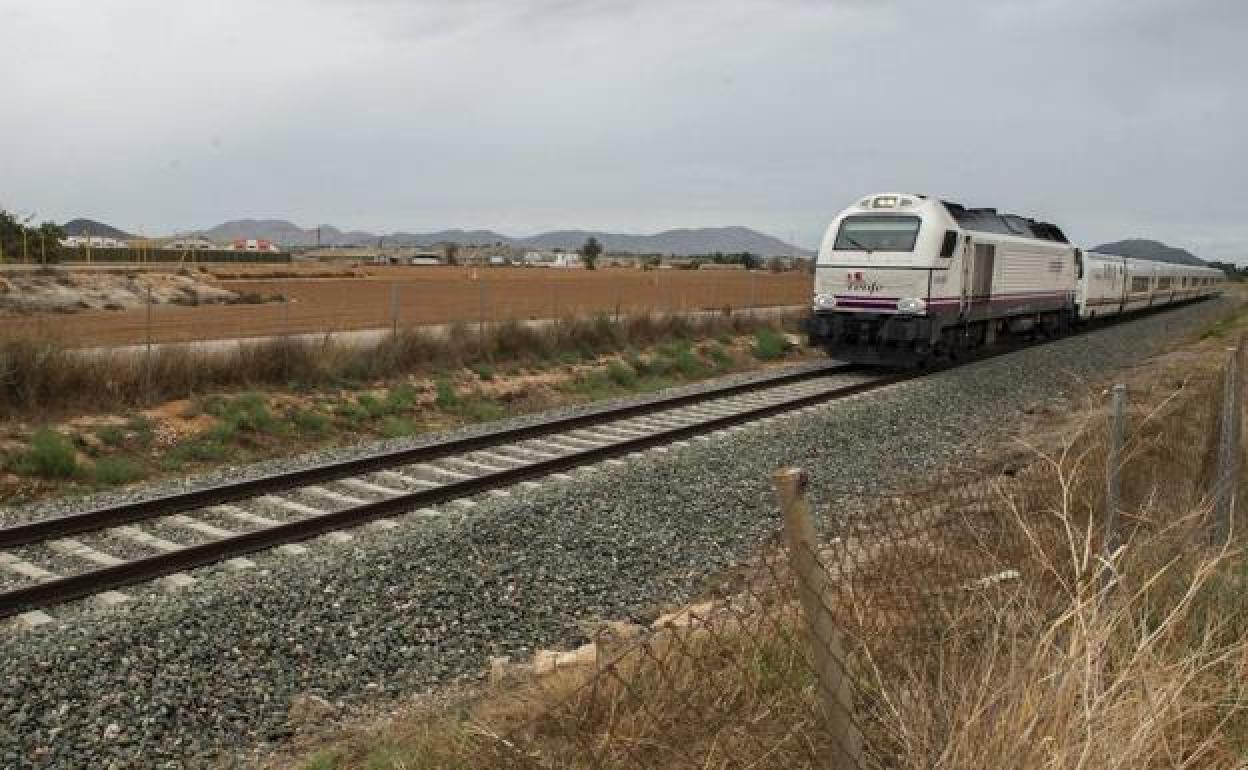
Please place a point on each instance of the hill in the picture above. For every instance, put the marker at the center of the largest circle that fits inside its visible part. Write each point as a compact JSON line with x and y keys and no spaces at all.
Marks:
{"x":1140,"y":248}
{"x":80,"y":226}
{"x":685,"y":241}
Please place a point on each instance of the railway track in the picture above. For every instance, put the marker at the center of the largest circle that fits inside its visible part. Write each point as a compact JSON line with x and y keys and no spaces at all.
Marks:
{"x":99,"y":551}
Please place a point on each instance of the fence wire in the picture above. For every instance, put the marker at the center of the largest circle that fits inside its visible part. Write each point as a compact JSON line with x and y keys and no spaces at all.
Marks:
{"x":903,"y":587}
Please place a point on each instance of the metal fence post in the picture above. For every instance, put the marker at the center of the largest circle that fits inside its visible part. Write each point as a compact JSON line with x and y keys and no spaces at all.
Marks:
{"x":1225,"y":487}
{"x":1113,"y":478}
{"x":813,"y":584}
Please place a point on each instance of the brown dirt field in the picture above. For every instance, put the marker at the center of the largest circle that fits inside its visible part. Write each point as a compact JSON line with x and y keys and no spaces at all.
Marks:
{"x":426,"y":295}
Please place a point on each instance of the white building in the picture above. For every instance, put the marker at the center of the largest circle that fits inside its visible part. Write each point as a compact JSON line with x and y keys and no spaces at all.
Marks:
{"x":552,"y":259}
{"x":191,"y":243}
{"x":94,"y":241}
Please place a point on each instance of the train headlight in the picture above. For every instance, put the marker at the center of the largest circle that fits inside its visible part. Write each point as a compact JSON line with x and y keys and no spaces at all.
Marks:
{"x":911,"y":305}
{"x":824,"y":301}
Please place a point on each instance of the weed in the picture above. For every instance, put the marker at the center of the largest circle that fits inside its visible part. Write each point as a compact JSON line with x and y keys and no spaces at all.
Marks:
{"x":310,"y":422}
{"x":117,"y":470}
{"x":203,"y":450}
{"x":769,"y":344}
{"x":112,"y":435}
{"x":688,"y":364}
{"x":397,"y":427}
{"x":721,"y":358}
{"x":484,"y":370}
{"x":447,"y":399}
{"x":400,"y":398}
{"x":371,"y":406}
{"x":478,"y":408}
{"x":622,"y":374}
{"x":49,"y":456}
{"x":326,"y":759}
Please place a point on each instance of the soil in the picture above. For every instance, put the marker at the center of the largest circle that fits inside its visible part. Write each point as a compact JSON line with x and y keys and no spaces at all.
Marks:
{"x":423,"y":295}
{"x":66,"y":291}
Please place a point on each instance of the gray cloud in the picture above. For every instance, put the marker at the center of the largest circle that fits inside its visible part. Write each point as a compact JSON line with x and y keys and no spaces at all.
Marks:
{"x":1111,"y":117}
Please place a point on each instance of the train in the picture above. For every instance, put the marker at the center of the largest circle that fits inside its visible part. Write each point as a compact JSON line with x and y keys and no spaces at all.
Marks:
{"x":904,"y":280}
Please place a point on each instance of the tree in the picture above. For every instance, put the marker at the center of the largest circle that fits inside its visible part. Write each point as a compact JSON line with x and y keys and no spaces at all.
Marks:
{"x":590,"y":252}
{"x":18,"y":238}
{"x":452,"y":253}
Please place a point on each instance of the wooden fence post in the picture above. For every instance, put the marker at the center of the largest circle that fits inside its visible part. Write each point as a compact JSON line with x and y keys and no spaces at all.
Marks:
{"x":1227,"y":484}
{"x":813,"y":585}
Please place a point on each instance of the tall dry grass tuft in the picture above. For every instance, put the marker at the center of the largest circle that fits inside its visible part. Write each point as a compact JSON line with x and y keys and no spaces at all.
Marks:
{"x":1134,"y":659}
{"x":42,"y":377}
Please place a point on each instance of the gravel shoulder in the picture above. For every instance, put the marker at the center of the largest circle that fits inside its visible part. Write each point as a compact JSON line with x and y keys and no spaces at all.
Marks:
{"x":188,"y":678}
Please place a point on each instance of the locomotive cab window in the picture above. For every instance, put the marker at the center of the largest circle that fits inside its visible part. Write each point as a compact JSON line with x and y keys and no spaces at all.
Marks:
{"x":950,"y":243}
{"x":875,"y":232}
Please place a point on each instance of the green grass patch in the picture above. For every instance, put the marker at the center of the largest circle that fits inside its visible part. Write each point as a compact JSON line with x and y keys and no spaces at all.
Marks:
{"x":484,"y":370}
{"x":769,"y":344}
{"x":721,"y":359}
{"x":446,"y":398}
{"x":310,"y":422}
{"x":113,"y":471}
{"x":1222,"y":326}
{"x":49,"y":456}
{"x":201,"y":450}
{"x":325,"y":759}
{"x":397,"y":427}
{"x":111,"y":435}
{"x":622,"y":374}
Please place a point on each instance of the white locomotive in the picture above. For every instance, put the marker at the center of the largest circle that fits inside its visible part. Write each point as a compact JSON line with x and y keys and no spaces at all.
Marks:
{"x":902,"y":278}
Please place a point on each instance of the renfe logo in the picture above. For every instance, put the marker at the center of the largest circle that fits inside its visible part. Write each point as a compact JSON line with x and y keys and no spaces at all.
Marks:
{"x":856,"y":282}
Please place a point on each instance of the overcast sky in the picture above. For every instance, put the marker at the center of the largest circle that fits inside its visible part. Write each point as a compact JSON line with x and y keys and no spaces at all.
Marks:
{"x":1113,"y":118}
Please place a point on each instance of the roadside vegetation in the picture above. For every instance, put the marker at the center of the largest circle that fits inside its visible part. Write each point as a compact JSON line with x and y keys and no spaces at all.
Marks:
{"x":89,"y":421}
{"x":1066,"y":658}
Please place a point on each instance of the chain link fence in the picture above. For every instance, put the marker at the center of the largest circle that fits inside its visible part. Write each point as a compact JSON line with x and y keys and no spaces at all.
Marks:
{"x":1063,"y":608}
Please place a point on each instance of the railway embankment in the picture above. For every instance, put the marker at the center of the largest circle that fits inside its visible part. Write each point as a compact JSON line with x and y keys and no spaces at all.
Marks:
{"x":182,"y":679}
{"x":74,"y":424}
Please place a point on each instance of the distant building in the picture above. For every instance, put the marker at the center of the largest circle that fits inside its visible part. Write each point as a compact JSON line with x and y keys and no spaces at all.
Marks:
{"x":253,"y":244}
{"x":191,"y":243}
{"x":552,"y":259}
{"x":94,"y":241}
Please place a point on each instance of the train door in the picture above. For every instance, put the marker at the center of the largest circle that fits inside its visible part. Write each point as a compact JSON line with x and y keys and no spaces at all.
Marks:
{"x":964,"y":295}
{"x":981,"y":278}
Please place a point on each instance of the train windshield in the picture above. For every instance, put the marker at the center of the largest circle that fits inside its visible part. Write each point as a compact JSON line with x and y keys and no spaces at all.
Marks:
{"x":874,"y":232}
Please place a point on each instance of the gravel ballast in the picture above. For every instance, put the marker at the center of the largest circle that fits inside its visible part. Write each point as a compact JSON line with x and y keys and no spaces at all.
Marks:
{"x":182,"y":679}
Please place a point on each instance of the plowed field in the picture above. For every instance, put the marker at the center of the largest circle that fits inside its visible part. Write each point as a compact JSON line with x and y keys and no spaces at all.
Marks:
{"x":424,"y":295}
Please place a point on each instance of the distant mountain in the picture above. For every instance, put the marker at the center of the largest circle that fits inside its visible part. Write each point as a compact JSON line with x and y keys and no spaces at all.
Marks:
{"x":82,"y":226}
{"x":701,"y":240}
{"x":1140,"y":248}
{"x":681,"y":242}
{"x":704,"y":240}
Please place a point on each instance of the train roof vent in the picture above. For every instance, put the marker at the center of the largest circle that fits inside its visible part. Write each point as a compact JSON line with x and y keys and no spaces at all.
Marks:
{"x":989,"y":221}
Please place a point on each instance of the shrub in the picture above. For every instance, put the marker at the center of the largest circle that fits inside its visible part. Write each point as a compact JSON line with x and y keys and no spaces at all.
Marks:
{"x":310,"y":422}
{"x":446,"y":399}
{"x":117,"y":470}
{"x":722,"y":359}
{"x":479,"y":409}
{"x":769,"y":344}
{"x":622,"y":374}
{"x":113,"y":435}
{"x":689,"y":365}
{"x":49,"y":456}
{"x":484,"y":370}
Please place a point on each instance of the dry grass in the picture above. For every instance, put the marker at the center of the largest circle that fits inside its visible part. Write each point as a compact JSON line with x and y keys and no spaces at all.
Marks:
{"x":1063,"y":658}
{"x":41,"y":378}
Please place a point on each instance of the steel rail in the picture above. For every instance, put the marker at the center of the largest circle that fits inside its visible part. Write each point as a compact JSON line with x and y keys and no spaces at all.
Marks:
{"x":144,"y":569}
{"x":112,"y":516}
